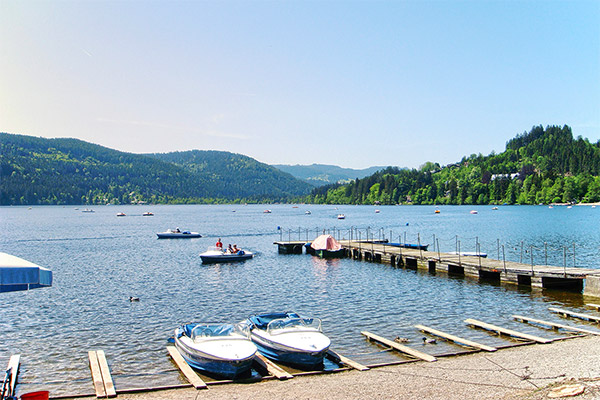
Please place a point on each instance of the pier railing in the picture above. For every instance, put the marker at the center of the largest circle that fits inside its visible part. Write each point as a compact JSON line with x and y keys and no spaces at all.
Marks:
{"x":524,"y":253}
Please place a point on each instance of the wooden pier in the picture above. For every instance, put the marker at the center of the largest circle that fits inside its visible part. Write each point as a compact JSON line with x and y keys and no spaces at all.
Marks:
{"x":485,"y":269}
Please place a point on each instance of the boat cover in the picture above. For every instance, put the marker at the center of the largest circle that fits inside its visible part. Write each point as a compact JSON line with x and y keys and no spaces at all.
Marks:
{"x":326,"y":242}
{"x":262,"y":321}
{"x":19,"y":274}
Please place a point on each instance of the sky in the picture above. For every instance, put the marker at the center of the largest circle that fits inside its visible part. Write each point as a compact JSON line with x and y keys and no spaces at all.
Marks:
{"x":349,"y":83}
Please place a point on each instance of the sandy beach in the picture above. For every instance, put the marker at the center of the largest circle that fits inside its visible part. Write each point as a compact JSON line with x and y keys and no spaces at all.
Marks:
{"x":523,"y":372}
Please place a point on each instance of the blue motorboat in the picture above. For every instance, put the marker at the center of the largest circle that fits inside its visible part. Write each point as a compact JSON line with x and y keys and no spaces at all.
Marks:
{"x":413,"y":246}
{"x":221,"y":349}
{"x":289,"y":338}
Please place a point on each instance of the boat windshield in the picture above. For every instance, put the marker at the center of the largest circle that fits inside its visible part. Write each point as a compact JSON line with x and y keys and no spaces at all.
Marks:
{"x":213,"y":331}
{"x":297,"y":324}
{"x":215,"y":248}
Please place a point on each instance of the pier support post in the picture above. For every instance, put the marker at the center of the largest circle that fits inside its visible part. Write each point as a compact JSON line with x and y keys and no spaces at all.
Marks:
{"x":592,"y":286}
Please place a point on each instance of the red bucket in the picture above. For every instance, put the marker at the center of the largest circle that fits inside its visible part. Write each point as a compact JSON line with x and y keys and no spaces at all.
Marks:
{"x":41,"y":395}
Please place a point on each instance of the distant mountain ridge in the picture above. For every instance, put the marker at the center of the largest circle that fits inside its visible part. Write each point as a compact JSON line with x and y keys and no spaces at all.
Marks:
{"x":323,"y":174}
{"x":36,"y":170}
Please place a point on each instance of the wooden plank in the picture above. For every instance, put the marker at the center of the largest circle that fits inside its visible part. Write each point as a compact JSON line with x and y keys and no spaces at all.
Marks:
{"x":568,"y":313}
{"x":346,"y":361}
{"x":109,"y":386}
{"x":185,"y":368}
{"x":555,"y":325}
{"x":596,"y":306}
{"x":272,"y":368}
{"x":399,"y":347}
{"x":96,"y":374}
{"x":13,"y":365}
{"x":506,"y":331}
{"x":455,"y":339}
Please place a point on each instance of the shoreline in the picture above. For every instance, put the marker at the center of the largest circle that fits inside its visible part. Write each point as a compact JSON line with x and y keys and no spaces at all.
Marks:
{"x":521,"y":372}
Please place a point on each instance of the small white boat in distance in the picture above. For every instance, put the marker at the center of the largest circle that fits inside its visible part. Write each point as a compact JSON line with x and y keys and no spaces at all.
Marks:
{"x":120,"y":214}
{"x":147,"y":214}
{"x":267,"y":212}
{"x":217,"y":255}
{"x":87,"y":210}
{"x":308,"y":212}
{"x":177,"y":234}
{"x":341,"y":216}
{"x":222,"y":349}
{"x":473,"y":211}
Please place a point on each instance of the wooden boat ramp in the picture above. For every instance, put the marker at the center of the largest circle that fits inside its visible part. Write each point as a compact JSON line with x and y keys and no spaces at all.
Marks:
{"x":487,"y":269}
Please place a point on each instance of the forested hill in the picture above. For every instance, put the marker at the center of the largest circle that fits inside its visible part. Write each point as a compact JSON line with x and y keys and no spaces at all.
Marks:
{"x":541,"y":166}
{"x":322,"y":174}
{"x":69,"y":171}
{"x":236,"y":175}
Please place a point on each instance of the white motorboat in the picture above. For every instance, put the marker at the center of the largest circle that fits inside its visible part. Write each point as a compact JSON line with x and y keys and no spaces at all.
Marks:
{"x":289,"y":338}
{"x":223,"y":349}
{"x":177,"y":234}
{"x":217,"y":255}
{"x":341,"y":216}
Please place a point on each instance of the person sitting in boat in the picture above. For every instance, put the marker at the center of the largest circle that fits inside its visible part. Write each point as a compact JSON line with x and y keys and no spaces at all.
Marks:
{"x":177,"y":230}
{"x":237,"y":250}
{"x":219,"y":244}
{"x":230,"y":249}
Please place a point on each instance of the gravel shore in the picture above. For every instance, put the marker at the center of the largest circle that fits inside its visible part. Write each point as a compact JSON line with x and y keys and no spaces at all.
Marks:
{"x":524,"y":372}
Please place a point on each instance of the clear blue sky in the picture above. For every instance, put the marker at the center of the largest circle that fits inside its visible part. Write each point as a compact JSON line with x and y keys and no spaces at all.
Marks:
{"x":351,"y":83}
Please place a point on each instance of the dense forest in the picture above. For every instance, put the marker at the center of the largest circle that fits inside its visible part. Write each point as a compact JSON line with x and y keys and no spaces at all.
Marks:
{"x":69,"y":171}
{"x":540,"y":166}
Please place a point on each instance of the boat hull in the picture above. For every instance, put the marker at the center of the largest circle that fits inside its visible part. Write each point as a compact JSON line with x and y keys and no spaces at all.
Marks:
{"x":224,"y":258}
{"x":330,"y":253}
{"x":413,"y":246}
{"x":279,"y":337}
{"x":182,"y":235}
{"x":212,"y":364}
{"x":286,"y":355}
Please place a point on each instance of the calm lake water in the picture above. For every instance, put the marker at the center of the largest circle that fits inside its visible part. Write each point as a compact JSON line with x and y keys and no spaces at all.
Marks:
{"x":99,"y":260}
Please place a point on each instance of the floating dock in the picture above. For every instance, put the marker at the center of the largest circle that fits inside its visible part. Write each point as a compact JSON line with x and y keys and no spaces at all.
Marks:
{"x":103,"y":382}
{"x":488,"y":269}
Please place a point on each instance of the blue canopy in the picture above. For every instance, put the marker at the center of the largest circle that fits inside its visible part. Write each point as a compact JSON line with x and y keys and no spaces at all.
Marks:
{"x":18,"y":274}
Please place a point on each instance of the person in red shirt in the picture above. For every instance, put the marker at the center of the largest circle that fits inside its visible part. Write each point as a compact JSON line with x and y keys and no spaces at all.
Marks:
{"x":219,"y":244}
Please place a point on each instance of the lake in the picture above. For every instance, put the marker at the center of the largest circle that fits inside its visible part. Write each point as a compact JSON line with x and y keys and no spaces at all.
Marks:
{"x":99,"y":260}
